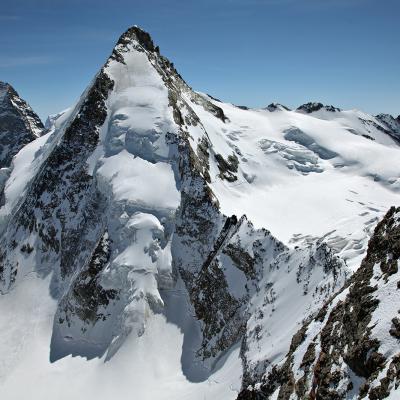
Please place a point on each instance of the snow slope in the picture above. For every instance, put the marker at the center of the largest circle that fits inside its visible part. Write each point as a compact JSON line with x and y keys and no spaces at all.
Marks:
{"x":148,"y":368}
{"x":294,"y":167}
{"x":349,"y":349}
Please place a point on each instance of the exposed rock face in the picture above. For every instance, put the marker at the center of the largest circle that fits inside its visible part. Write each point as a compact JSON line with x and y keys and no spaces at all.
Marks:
{"x":391,"y":124}
{"x":60,"y":189}
{"x":276,"y":107}
{"x":350,"y":347}
{"x":19,"y":125}
{"x":312,"y":107}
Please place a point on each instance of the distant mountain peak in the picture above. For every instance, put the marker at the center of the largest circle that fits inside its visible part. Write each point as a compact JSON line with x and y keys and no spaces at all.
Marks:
{"x":4,"y":86}
{"x":276,"y":106}
{"x":19,"y":124}
{"x":316,"y":106}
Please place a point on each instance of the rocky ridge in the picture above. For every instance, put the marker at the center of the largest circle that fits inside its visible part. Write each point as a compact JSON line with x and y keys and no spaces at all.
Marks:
{"x":349,"y":347}
{"x":19,"y":125}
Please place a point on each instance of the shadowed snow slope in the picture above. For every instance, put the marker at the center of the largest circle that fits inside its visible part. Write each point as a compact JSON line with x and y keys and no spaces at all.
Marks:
{"x":134,"y":252}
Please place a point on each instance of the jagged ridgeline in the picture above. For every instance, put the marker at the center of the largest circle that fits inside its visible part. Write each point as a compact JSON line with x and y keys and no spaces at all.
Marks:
{"x":19,"y":125}
{"x":350,"y":348}
{"x":132,"y":204}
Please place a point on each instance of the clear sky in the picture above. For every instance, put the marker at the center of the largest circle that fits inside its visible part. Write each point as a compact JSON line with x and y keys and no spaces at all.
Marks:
{"x":248,"y":52}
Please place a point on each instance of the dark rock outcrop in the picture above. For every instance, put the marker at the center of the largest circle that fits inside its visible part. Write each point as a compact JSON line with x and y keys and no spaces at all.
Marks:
{"x":19,"y":125}
{"x":313,"y":106}
{"x":276,"y":106}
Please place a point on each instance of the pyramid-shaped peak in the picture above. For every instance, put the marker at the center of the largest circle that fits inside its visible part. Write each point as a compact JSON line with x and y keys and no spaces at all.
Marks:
{"x":133,"y":38}
{"x":6,"y":88}
{"x":136,"y":34}
{"x":19,"y":126}
{"x":10,"y":96}
{"x":4,"y":85}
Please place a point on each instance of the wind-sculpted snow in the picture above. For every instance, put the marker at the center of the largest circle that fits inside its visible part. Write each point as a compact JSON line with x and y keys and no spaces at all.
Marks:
{"x":128,"y":177}
{"x":145,"y":210}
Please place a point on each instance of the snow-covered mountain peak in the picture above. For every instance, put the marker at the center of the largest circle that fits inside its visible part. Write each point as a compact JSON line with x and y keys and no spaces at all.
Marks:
{"x":311,"y":107}
{"x":137,"y":35}
{"x":149,"y":208}
{"x":10,"y":98}
{"x":19,"y":125}
{"x":276,"y":106}
{"x":4,"y":89}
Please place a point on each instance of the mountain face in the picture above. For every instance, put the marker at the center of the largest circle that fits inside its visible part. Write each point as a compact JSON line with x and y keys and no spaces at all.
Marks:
{"x":350,"y":348}
{"x":19,"y":125}
{"x":193,"y":244}
{"x":391,"y":124}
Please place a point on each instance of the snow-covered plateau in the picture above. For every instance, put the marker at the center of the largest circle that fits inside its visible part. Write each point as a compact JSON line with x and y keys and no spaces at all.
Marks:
{"x":157,"y":243}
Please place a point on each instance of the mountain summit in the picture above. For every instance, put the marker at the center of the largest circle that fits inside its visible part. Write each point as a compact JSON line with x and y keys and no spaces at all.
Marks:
{"x":19,"y":125}
{"x":181,"y":247}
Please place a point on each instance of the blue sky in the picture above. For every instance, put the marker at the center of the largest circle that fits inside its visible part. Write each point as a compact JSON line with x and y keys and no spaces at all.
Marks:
{"x":340,"y":52}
